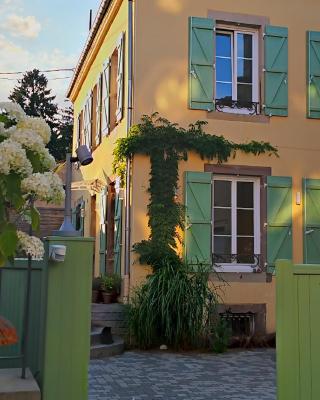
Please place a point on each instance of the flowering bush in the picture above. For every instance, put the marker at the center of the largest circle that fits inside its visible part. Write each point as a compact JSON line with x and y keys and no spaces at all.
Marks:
{"x":26,"y":175}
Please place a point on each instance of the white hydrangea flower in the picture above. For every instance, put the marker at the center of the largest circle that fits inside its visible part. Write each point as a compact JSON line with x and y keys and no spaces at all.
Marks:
{"x":28,"y":139}
{"x":32,"y":141}
{"x":37,"y":125}
{"x":47,"y":186}
{"x":13,"y":157}
{"x":3,"y":131}
{"x":31,"y":245}
{"x":47,"y":160}
{"x":14,"y":109}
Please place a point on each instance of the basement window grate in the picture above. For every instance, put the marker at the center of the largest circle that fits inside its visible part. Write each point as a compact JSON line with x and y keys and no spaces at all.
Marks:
{"x":240,"y":324}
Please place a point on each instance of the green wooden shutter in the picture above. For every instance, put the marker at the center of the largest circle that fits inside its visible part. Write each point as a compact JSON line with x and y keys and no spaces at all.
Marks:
{"x":82,"y":217}
{"x":276,"y":71}
{"x":311,"y":228}
{"x":117,"y":234}
{"x":78,"y":140}
{"x":201,"y":63}
{"x":313,"y":74}
{"x":105,"y":117}
{"x":279,"y":219}
{"x":74,"y":217}
{"x":98,"y":111}
{"x":103,"y":231}
{"x":120,"y":78}
{"x":198,"y":199}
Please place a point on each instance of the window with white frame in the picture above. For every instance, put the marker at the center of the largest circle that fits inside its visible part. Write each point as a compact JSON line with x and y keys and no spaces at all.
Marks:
{"x":237,"y":61}
{"x":236,"y":222}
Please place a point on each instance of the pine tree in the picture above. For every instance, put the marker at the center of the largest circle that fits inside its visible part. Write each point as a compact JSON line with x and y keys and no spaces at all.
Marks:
{"x":62,"y":137}
{"x":36,"y":99}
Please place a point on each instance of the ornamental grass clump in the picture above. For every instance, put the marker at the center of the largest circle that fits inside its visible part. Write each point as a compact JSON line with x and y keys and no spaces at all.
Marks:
{"x":173,"y":307}
{"x":26,"y":175}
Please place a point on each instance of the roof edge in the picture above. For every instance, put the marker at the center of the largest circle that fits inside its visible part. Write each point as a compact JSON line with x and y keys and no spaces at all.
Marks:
{"x":103,"y":8}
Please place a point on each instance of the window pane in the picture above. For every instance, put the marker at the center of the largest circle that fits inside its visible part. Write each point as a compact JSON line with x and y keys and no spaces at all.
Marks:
{"x":222,"y":249}
{"x":244,"y":92}
{"x":245,"y":222}
{"x":224,"y":91}
{"x":245,"y":250}
{"x":222,"y":221}
{"x":244,"y":45}
{"x":222,"y":193}
{"x":224,"y":72}
{"x":223,"y":43}
{"x":244,"y":70}
{"x":245,"y":194}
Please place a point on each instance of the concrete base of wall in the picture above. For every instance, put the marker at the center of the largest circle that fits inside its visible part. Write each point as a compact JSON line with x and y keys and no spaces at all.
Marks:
{"x":12,"y":387}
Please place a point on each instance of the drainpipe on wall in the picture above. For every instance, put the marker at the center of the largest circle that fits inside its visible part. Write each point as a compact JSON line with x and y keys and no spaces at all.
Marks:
{"x":127,"y":247}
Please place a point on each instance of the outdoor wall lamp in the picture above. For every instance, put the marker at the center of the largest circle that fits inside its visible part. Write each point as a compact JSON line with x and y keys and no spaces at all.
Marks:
{"x":84,"y":156}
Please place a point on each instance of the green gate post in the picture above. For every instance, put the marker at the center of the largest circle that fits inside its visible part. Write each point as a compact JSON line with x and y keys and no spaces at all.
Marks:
{"x":287,"y":332}
{"x":64,"y":375}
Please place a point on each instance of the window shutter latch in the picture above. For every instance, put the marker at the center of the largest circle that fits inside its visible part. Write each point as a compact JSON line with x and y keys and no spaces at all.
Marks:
{"x":192,"y":72}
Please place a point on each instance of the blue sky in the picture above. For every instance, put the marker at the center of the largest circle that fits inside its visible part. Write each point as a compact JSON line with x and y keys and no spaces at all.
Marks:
{"x":42,"y":34}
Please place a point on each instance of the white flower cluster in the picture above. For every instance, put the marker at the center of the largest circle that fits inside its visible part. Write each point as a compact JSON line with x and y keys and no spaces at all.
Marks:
{"x":46,"y":186}
{"x":28,"y":139}
{"x":37,"y":125}
{"x":31,"y":245}
{"x":32,"y":141}
{"x":13,"y":109}
{"x":13,"y":157}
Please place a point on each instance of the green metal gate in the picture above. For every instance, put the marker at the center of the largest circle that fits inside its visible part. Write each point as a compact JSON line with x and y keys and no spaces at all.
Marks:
{"x":298,"y":331}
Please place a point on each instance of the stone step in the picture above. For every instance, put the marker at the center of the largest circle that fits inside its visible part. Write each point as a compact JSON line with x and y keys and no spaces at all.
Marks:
{"x":108,"y":316}
{"x":113,"y":307}
{"x":111,"y":324}
{"x":98,"y":336}
{"x":12,"y":387}
{"x":107,"y":350}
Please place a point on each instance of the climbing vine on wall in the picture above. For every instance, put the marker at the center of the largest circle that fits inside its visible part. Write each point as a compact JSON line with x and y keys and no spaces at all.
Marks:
{"x":166,"y":144}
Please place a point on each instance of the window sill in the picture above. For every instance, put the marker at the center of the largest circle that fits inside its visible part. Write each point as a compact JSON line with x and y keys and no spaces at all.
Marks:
{"x":245,"y":268}
{"x":228,"y":116}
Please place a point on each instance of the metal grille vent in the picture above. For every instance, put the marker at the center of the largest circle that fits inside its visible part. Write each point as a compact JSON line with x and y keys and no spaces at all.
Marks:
{"x":241,"y":324}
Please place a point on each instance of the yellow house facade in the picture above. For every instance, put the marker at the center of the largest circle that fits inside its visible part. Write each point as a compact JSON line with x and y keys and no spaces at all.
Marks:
{"x":252,"y":71}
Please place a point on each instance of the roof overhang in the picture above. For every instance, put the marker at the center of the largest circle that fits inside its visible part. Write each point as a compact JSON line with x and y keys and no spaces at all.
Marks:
{"x":104,"y":7}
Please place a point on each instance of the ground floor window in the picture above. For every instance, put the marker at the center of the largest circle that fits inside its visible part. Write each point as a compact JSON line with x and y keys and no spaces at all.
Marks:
{"x":236,"y":221}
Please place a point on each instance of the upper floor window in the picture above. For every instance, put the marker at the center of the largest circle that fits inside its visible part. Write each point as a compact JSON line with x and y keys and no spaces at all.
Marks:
{"x":237,"y":85}
{"x":224,"y":66}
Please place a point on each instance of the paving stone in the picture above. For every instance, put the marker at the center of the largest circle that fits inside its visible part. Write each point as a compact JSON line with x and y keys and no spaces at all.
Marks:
{"x":134,"y":375}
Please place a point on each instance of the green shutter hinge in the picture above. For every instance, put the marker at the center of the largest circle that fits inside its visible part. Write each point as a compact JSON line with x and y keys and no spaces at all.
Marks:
{"x":192,"y":72}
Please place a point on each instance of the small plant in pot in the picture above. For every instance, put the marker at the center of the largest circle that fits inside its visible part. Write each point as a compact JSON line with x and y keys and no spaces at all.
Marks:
{"x":110,"y":287}
{"x":96,"y":287}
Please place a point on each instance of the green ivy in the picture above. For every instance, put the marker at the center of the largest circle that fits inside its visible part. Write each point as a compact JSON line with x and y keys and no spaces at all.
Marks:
{"x":166,"y":144}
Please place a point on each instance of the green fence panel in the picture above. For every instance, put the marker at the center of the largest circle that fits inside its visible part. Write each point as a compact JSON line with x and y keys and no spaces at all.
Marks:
{"x":67,"y":328}
{"x":298,"y":331}
{"x":13,"y":282}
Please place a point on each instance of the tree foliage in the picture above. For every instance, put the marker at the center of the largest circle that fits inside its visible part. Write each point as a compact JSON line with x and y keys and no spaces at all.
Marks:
{"x":36,"y":99}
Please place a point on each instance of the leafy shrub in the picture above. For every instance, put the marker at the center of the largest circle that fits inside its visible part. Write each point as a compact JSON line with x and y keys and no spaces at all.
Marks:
{"x":111,"y":283}
{"x":221,"y":335}
{"x":172,"y":307}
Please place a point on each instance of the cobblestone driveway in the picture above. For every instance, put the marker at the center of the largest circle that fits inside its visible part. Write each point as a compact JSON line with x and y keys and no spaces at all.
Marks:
{"x":237,"y":375}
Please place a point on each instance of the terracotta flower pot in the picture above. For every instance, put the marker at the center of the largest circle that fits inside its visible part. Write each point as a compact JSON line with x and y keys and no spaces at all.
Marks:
{"x":107,"y":297}
{"x":95,"y":296}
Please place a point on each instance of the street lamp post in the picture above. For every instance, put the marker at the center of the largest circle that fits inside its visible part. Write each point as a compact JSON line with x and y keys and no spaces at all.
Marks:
{"x":84,"y":156}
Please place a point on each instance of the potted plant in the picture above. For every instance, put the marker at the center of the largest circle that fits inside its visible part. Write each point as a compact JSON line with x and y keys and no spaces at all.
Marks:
{"x":110,"y":287}
{"x":96,"y":287}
